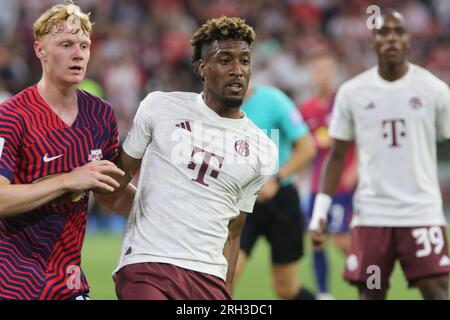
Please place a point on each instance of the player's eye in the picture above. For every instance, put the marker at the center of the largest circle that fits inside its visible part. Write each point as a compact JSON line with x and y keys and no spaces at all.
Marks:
{"x":245,"y":61}
{"x":400,"y":31}
{"x":383,"y":32}
{"x":84,"y":46}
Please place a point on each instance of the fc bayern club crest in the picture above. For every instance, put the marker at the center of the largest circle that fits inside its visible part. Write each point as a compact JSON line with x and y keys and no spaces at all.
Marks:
{"x":415,"y":103}
{"x":241,"y":147}
{"x":96,"y":155}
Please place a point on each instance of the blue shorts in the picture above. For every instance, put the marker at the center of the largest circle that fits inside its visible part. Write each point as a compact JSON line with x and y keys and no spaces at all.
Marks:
{"x":340,"y":214}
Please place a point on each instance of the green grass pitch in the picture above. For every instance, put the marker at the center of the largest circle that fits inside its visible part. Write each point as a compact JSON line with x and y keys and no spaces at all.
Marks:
{"x":101,"y":251}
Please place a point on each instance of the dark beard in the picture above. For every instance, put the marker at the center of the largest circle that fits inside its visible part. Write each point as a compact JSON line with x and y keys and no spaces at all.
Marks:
{"x":232,"y":103}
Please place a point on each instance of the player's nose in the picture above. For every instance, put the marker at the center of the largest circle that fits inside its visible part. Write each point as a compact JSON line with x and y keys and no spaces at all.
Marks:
{"x":236,"y":69}
{"x":78,"y":53}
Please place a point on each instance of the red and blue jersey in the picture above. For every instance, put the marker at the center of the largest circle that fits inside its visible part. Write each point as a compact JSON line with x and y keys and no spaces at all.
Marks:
{"x":40,"y":251}
{"x":316,"y":112}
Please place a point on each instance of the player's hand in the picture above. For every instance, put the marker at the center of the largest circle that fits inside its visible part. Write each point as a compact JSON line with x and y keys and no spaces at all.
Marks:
{"x":268,"y":191}
{"x":318,"y":236}
{"x":95,"y":176}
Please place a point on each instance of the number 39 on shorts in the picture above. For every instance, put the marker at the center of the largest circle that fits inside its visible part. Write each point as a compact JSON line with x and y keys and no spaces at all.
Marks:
{"x":430,"y":239}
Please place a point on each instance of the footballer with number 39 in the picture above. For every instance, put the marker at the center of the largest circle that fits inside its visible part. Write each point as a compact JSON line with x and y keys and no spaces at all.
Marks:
{"x":395,"y":112}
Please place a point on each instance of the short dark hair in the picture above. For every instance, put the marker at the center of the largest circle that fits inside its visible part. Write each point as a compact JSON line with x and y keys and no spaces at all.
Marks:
{"x":218,"y":29}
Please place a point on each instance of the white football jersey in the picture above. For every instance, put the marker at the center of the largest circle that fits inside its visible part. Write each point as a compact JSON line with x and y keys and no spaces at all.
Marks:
{"x":395,"y":126}
{"x":198,"y":172}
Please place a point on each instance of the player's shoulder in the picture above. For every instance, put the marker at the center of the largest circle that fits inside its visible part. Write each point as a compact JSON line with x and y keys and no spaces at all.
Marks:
{"x":17,"y":105}
{"x":94,"y":100}
{"x":427,"y":78}
{"x":167,"y":101}
{"x":360,"y":80}
{"x":170,"y":97}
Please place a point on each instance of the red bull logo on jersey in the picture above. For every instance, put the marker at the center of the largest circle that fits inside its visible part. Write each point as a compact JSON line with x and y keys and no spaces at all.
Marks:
{"x":96,"y":155}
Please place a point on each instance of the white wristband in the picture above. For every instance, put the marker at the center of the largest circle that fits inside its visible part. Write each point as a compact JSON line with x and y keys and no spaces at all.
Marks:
{"x":321,"y":206}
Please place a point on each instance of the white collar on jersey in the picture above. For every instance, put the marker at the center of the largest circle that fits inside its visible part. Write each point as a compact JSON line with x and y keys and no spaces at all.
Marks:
{"x":207,"y":110}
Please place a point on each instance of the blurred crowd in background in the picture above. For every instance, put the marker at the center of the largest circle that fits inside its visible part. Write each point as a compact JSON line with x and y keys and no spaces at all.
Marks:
{"x":143,"y":45}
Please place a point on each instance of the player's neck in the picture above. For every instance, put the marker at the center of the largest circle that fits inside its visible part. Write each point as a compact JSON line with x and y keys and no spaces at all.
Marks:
{"x":392,"y":72}
{"x":57,"y":97}
{"x":223,"y":111}
{"x":325,"y":93}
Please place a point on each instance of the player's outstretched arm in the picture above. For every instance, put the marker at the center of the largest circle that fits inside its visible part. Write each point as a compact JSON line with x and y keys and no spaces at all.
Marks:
{"x":21,"y":198}
{"x":231,"y":248}
{"x":121,"y":200}
{"x":331,"y":174}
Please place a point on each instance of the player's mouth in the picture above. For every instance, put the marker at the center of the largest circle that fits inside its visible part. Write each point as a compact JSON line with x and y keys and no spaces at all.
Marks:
{"x":76,"y":69}
{"x":391,"y":50}
{"x":235,"y":86}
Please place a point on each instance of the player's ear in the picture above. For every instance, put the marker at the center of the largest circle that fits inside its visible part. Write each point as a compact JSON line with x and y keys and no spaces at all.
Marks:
{"x":39,"y":51}
{"x":408,"y":40}
{"x":201,"y":69}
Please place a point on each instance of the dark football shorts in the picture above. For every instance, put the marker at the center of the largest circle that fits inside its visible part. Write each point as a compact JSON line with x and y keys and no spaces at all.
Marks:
{"x":162,"y":281}
{"x":422,"y":252}
{"x":280,"y":220}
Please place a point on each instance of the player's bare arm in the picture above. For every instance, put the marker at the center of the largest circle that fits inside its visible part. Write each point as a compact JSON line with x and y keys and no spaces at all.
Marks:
{"x":304,"y":150}
{"x":331,"y":175}
{"x":231,"y":248}
{"x":121,"y":200}
{"x":18,"y":199}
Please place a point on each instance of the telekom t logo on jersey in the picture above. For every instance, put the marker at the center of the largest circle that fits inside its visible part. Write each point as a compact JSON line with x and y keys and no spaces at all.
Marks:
{"x":393,"y":130}
{"x":206,"y":164}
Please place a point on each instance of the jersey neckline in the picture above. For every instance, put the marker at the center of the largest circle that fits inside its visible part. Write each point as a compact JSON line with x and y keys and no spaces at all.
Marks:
{"x":46,"y":105}
{"x":209,"y":112}
{"x":397,"y":82}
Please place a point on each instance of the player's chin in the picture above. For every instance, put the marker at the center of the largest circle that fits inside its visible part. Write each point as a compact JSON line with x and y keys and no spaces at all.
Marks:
{"x":233,"y":101}
{"x":393,"y":59}
{"x":75,"y":79}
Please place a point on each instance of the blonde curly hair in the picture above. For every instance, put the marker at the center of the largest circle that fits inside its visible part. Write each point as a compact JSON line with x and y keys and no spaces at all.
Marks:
{"x":57,"y":15}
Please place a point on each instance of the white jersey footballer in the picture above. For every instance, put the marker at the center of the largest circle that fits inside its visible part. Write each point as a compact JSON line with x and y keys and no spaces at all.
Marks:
{"x":396,"y":126}
{"x":198,"y":171}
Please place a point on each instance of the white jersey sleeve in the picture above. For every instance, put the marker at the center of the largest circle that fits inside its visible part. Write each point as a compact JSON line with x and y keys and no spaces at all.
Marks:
{"x":443,"y":111}
{"x":250,"y":193}
{"x":269,"y":167}
{"x":140,"y":134}
{"x":341,"y":124}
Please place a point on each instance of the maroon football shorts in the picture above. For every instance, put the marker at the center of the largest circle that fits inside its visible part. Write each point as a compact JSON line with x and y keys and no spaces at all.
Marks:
{"x":422,"y":252}
{"x":161,"y":281}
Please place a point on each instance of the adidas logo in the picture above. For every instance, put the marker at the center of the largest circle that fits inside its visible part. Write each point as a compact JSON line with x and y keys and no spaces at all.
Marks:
{"x":445,"y":261}
{"x":371,"y":105}
{"x":184,"y":125}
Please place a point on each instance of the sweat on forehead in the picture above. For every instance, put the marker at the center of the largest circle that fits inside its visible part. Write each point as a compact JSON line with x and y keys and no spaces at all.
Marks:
{"x":216,"y":46}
